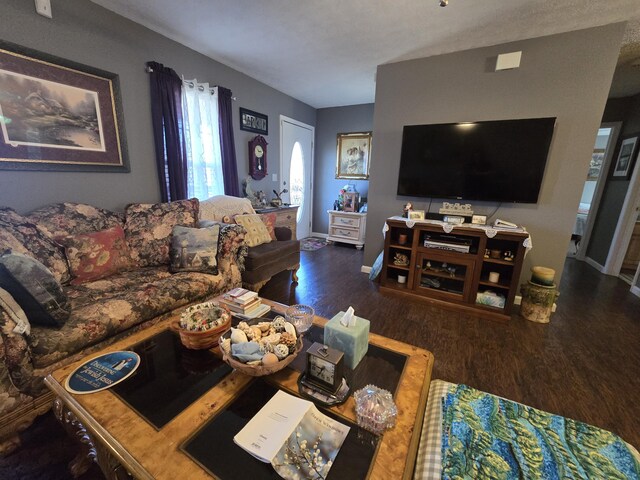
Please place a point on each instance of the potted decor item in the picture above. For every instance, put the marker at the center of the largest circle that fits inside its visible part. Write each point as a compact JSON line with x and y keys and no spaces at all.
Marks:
{"x":261,"y":346}
{"x":201,"y":325}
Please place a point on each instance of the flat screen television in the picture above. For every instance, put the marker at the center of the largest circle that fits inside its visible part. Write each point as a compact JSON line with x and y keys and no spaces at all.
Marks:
{"x":500,"y":160}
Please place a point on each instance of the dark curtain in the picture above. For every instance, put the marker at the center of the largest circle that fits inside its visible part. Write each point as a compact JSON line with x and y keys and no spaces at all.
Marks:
{"x":229,"y":163}
{"x":166,"y":114}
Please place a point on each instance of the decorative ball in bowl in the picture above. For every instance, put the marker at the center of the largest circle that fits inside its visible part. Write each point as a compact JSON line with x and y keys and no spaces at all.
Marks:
{"x":261,"y":346}
{"x":201,"y":325}
{"x":301,"y":316}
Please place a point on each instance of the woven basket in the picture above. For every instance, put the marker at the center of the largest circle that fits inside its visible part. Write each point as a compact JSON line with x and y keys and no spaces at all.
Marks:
{"x":200,"y":340}
{"x":259,"y":370}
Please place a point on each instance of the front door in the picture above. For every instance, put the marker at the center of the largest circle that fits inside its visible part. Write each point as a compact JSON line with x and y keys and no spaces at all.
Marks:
{"x":296,"y":169}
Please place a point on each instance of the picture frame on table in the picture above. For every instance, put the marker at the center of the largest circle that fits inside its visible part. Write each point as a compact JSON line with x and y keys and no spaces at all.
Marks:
{"x":353,"y":155}
{"x":416,"y":215}
{"x":622,"y":168}
{"x":59,"y":115}
{"x":350,"y":200}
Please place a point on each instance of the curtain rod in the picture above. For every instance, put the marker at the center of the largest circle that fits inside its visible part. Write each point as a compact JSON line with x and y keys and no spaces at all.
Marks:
{"x":148,"y":69}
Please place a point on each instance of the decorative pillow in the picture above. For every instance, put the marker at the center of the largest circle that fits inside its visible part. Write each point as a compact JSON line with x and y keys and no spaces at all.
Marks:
{"x":219,"y":206}
{"x":148,"y":228}
{"x":34,"y":288}
{"x":194,"y":249}
{"x":62,"y":219}
{"x":257,"y":232}
{"x":15,"y":312}
{"x":37,"y":242}
{"x":269,"y":220}
{"x":96,"y":255}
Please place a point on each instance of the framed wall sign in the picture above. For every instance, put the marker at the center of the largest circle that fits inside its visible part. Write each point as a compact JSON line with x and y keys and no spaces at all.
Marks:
{"x":56,"y":114}
{"x":622,"y":168}
{"x":354,"y":152}
{"x":255,"y":122}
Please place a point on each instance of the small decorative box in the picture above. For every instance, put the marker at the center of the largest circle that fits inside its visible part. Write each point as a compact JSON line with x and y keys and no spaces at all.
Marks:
{"x":353,"y":341}
{"x":375,"y":409}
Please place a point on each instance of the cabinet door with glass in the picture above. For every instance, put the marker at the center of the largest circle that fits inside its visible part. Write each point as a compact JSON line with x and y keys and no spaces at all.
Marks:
{"x":445,"y":276}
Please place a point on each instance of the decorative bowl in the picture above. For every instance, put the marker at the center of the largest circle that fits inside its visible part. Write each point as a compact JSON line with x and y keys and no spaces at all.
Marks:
{"x":258,"y":370}
{"x":201,"y":325}
{"x":301,"y":316}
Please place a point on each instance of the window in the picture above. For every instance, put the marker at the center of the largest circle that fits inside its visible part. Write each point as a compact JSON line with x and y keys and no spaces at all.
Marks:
{"x":202,"y":140}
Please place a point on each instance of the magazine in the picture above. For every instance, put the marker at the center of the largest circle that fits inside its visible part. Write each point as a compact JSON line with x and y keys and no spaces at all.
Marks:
{"x":294,"y":436}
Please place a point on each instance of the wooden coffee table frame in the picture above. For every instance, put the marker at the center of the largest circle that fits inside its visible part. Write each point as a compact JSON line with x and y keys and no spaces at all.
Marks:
{"x":122,"y":442}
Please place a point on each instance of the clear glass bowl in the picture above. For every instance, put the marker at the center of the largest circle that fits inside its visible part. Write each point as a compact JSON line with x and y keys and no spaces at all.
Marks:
{"x":301,"y":316}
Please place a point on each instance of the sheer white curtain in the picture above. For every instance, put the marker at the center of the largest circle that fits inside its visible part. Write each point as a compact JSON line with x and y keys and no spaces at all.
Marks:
{"x":202,"y":138}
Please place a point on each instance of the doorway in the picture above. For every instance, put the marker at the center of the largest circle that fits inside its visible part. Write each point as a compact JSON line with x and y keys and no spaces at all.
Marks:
{"x":296,"y":169}
{"x":593,"y":188}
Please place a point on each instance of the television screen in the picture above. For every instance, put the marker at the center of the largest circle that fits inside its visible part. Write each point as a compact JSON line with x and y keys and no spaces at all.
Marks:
{"x":500,"y":161}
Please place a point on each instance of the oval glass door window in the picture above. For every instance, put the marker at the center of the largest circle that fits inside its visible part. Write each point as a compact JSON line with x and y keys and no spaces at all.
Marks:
{"x":296,"y":179}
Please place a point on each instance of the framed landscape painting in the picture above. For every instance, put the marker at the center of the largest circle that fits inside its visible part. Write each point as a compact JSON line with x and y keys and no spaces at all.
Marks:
{"x":58,"y":115}
{"x":354,"y":152}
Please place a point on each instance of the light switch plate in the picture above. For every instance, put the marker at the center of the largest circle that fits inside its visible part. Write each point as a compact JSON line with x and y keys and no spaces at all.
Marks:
{"x":43,"y":7}
{"x":274,"y":177}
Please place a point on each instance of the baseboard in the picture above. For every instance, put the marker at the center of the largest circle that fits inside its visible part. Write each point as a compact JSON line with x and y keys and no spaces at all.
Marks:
{"x":319,"y":235}
{"x":365,"y":269}
{"x":592,"y":263}
{"x":635,"y":290}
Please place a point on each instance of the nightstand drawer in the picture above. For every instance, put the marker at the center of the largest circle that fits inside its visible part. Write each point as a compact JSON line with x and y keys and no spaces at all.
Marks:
{"x":343,"y":232}
{"x":338,"y":220}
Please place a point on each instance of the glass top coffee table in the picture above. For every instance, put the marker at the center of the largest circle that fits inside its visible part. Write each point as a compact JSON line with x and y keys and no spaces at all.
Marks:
{"x":177,"y":415}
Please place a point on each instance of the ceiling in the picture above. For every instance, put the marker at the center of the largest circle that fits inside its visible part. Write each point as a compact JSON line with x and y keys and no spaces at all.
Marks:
{"x":325,"y":53}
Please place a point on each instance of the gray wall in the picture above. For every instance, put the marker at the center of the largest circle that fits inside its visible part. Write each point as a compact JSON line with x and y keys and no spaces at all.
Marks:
{"x":615,"y":190}
{"x":86,"y":33}
{"x":463,"y":86}
{"x":331,"y":121}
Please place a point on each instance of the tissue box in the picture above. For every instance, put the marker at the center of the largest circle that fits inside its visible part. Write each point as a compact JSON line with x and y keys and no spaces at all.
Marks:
{"x":353,"y":341}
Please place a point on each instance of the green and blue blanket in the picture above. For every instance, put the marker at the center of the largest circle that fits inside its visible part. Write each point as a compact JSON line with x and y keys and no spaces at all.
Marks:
{"x":487,"y":437}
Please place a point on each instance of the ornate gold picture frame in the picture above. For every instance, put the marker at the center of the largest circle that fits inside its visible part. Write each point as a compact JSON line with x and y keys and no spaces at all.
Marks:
{"x":353,"y":156}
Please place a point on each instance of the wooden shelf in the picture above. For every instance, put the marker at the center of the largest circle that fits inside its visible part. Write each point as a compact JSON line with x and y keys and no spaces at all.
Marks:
{"x":402,"y":247}
{"x":497,"y":261}
{"x":399,"y":267}
{"x":431,"y":273}
{"x":497,"y":285}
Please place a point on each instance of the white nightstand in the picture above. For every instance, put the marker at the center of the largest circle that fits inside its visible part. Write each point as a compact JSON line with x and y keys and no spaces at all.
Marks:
{"x":347,"y":227}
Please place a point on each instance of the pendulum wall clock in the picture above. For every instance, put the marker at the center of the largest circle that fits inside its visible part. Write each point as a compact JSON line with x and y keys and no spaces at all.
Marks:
{"x":258,"y":157}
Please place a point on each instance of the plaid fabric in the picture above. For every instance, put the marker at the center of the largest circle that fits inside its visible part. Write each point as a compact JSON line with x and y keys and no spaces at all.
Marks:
{"x":429,"y":461}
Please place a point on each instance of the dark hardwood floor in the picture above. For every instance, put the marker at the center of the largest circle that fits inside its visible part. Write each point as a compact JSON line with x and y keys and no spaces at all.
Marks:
{"x":584,"y":364}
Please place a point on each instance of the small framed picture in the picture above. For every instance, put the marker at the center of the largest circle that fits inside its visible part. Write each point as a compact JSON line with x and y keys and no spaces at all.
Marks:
{"x":416,"y":214}
{"x":350,"y":201}
{"x":625,"y":158}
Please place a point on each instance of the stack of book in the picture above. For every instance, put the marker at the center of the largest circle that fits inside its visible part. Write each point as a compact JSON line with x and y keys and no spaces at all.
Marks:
{"x":244,"y":303}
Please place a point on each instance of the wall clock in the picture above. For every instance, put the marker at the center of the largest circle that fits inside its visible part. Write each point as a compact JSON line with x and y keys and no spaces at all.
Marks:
{"x":258,"y":157}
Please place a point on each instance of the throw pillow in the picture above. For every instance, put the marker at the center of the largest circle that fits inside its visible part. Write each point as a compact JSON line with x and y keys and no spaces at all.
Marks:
{"x":36,"y":240}
{"x":96,"y":255}
{"x":194,"y":249}
{"x":15,"y":312}
{"x":257,"y":232}
{"x":148,"y":229}
{"x":34,"y":288}
{"x":269,"y":220}
{"x":219,"y":206}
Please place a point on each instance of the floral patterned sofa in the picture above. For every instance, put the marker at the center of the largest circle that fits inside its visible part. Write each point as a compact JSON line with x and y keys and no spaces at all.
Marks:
{"x":101,"y":310}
